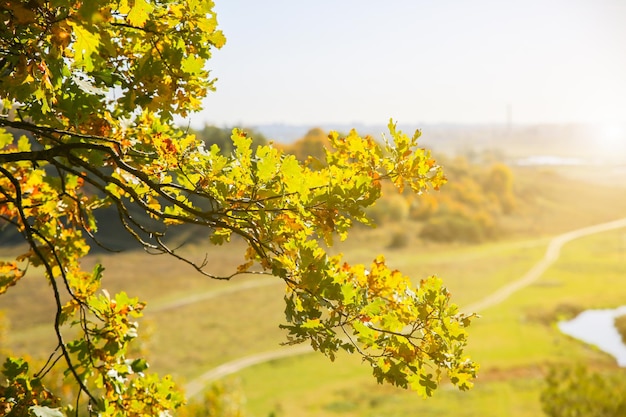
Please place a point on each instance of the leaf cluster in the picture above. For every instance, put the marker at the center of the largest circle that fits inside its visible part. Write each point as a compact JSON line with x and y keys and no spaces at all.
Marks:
{"x":59,"y":59}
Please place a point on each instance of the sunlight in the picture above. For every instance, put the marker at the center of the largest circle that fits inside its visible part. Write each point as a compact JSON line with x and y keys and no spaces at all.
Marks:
{"x":611,"y":139}
{"x":613,"y":134}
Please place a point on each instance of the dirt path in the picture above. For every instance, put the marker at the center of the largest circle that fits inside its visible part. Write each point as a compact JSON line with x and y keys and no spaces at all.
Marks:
{"x":203,"y":296}
{"x":553,"y":252}
{"x":196,"y":386}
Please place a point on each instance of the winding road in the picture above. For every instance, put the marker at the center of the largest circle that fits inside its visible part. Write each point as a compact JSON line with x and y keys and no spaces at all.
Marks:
{"x":552,"y":253}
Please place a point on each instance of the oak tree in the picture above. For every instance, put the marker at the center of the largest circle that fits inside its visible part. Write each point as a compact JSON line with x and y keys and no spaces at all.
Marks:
{"x":89,"y":90}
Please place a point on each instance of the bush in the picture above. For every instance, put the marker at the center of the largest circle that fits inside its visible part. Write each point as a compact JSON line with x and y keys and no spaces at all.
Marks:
{"x":399,"y":239}
{"x":450,"y":228}
{"x":458,"y":226}
{"x":575,"y":391}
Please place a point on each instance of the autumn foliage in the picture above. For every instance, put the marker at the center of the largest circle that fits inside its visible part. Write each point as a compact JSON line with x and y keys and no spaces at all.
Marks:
{"x":470,"y":208}
{"x":92,"y":88}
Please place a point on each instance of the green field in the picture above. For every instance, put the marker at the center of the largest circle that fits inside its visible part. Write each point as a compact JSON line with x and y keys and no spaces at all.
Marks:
{"x":514,"y":341}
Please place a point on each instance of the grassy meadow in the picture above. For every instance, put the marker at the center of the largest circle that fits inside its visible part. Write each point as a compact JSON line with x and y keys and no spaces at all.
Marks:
{"x":514,"y":341}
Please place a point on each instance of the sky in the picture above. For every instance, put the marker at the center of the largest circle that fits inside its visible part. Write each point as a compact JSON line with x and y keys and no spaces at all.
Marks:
{"x":419,"y":61}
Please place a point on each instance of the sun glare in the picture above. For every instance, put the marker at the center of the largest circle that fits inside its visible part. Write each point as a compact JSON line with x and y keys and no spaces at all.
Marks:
{"x":611,"y":139}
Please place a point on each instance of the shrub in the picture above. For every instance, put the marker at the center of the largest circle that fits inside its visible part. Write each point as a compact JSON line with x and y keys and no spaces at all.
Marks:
{"x":460,"y":225}
{"x":575,"y":391}
{"x":399,"y":239}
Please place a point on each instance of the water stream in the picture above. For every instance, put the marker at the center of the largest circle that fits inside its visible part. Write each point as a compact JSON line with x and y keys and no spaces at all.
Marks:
{"x":596,"y":327}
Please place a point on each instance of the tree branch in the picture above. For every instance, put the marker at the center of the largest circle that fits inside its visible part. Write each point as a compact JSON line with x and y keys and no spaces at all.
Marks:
{"x":28,"y":234}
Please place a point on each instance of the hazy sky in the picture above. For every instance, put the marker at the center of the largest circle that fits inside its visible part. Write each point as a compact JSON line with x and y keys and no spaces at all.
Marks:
{"x":419,"y":61}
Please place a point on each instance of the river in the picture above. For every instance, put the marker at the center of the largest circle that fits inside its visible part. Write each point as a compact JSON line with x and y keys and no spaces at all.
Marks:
{"x":596,"y":327}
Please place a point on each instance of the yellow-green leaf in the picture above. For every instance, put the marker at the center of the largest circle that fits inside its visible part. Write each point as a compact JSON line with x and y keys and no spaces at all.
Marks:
{"x":6,"y":138}
{"x":192,"y":64}
{"x":23,"y":144}
{"x":139,"y":13}
{"x":86,"y":44}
